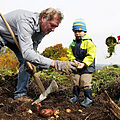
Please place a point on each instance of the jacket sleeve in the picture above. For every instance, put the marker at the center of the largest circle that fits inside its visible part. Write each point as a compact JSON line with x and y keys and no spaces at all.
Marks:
{"x":25,"y":31}
{"x":70,"y":54}
{"x":91,"y":52}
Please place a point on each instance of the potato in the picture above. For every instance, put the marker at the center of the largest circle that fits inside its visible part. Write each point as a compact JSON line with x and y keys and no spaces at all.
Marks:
{"x":80,"y":110}
{"x":46,"y":112}
{"x":68,"y":110}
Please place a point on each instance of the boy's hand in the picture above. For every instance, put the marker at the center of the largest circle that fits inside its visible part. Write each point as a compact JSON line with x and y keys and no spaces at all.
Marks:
{"x":79,"y":64}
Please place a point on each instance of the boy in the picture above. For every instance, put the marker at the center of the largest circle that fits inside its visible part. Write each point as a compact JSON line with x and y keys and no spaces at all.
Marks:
{"x":82,"y":51}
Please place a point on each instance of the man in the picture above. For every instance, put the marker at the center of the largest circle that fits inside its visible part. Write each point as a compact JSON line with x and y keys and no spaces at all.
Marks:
{"x":29,"y":29}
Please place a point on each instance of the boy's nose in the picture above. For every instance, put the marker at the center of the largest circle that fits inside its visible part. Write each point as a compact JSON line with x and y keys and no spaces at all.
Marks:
{"x":77,"y":32}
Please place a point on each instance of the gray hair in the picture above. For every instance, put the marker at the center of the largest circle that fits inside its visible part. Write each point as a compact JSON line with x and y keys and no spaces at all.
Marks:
{"x":50,"y":13}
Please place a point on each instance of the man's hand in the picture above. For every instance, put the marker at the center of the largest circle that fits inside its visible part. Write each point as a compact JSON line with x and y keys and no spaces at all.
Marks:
{"x":65,"y":66}
{"x":31,"y":69}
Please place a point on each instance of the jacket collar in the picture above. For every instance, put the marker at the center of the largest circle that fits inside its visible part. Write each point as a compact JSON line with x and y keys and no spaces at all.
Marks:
{"x":36,"y":20}
{"x":85,"y":37}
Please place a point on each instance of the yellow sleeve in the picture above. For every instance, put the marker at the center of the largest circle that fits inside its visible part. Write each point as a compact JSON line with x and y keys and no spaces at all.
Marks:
{"x":70,"y":55}
{"x":91,"y":52}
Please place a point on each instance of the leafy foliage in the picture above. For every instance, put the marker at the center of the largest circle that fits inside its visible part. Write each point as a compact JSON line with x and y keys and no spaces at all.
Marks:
{"x":9,"y":64}
{"x":111,"y":43}
{"x":58,"y":76}
{"x":56,"y":52}
{"x":105,"y":76}
{"x":64,"y":59}
{"x":8,"y":61}
{"x":101,"y":78}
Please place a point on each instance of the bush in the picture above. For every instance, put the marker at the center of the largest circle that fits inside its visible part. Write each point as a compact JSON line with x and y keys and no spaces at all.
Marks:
{"x":8,"y":60}
{"x":105,"y":76}
{"x":56,"y":52}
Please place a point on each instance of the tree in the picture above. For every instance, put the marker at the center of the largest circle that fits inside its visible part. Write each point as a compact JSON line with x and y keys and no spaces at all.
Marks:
{"x":56,"y":52}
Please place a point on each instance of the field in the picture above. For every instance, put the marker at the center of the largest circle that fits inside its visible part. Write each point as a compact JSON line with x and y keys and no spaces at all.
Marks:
{"x":11,"y":109}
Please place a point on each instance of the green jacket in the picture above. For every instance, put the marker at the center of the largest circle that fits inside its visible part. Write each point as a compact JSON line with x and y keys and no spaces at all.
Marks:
{"x":83,"y":50}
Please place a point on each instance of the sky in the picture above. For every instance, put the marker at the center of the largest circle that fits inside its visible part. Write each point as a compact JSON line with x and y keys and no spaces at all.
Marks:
{"x":102,"y":19}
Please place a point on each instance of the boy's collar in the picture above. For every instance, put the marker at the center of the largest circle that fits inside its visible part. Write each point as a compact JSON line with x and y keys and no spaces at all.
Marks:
{"x":81,"y":38}
{"x":85,"y":37}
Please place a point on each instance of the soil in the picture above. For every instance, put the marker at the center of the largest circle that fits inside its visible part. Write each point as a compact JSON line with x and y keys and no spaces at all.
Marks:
{"x":11,"y":109}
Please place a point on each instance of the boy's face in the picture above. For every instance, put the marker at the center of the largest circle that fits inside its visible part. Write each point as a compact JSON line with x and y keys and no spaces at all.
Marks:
{"x":78,"y":33}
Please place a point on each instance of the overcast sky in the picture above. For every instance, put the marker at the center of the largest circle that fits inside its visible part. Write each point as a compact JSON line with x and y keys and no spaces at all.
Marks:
{"x":102,"y":19}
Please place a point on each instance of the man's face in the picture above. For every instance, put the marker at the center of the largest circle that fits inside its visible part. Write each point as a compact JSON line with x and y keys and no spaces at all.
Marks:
{"x":48,"y":26}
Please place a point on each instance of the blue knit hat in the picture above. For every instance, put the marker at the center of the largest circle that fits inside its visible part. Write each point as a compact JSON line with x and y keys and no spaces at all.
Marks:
{"x":79,"y":24}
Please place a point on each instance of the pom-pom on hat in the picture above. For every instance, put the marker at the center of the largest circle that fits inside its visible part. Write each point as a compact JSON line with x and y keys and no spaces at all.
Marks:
{"x":79,"y":24}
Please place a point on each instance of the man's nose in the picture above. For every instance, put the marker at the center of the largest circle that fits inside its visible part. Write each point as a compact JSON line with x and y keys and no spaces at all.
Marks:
{"x":53,"y":29}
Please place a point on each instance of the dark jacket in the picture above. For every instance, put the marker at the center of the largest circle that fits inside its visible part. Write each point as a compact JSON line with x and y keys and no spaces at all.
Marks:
{"x":83,"y":50}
